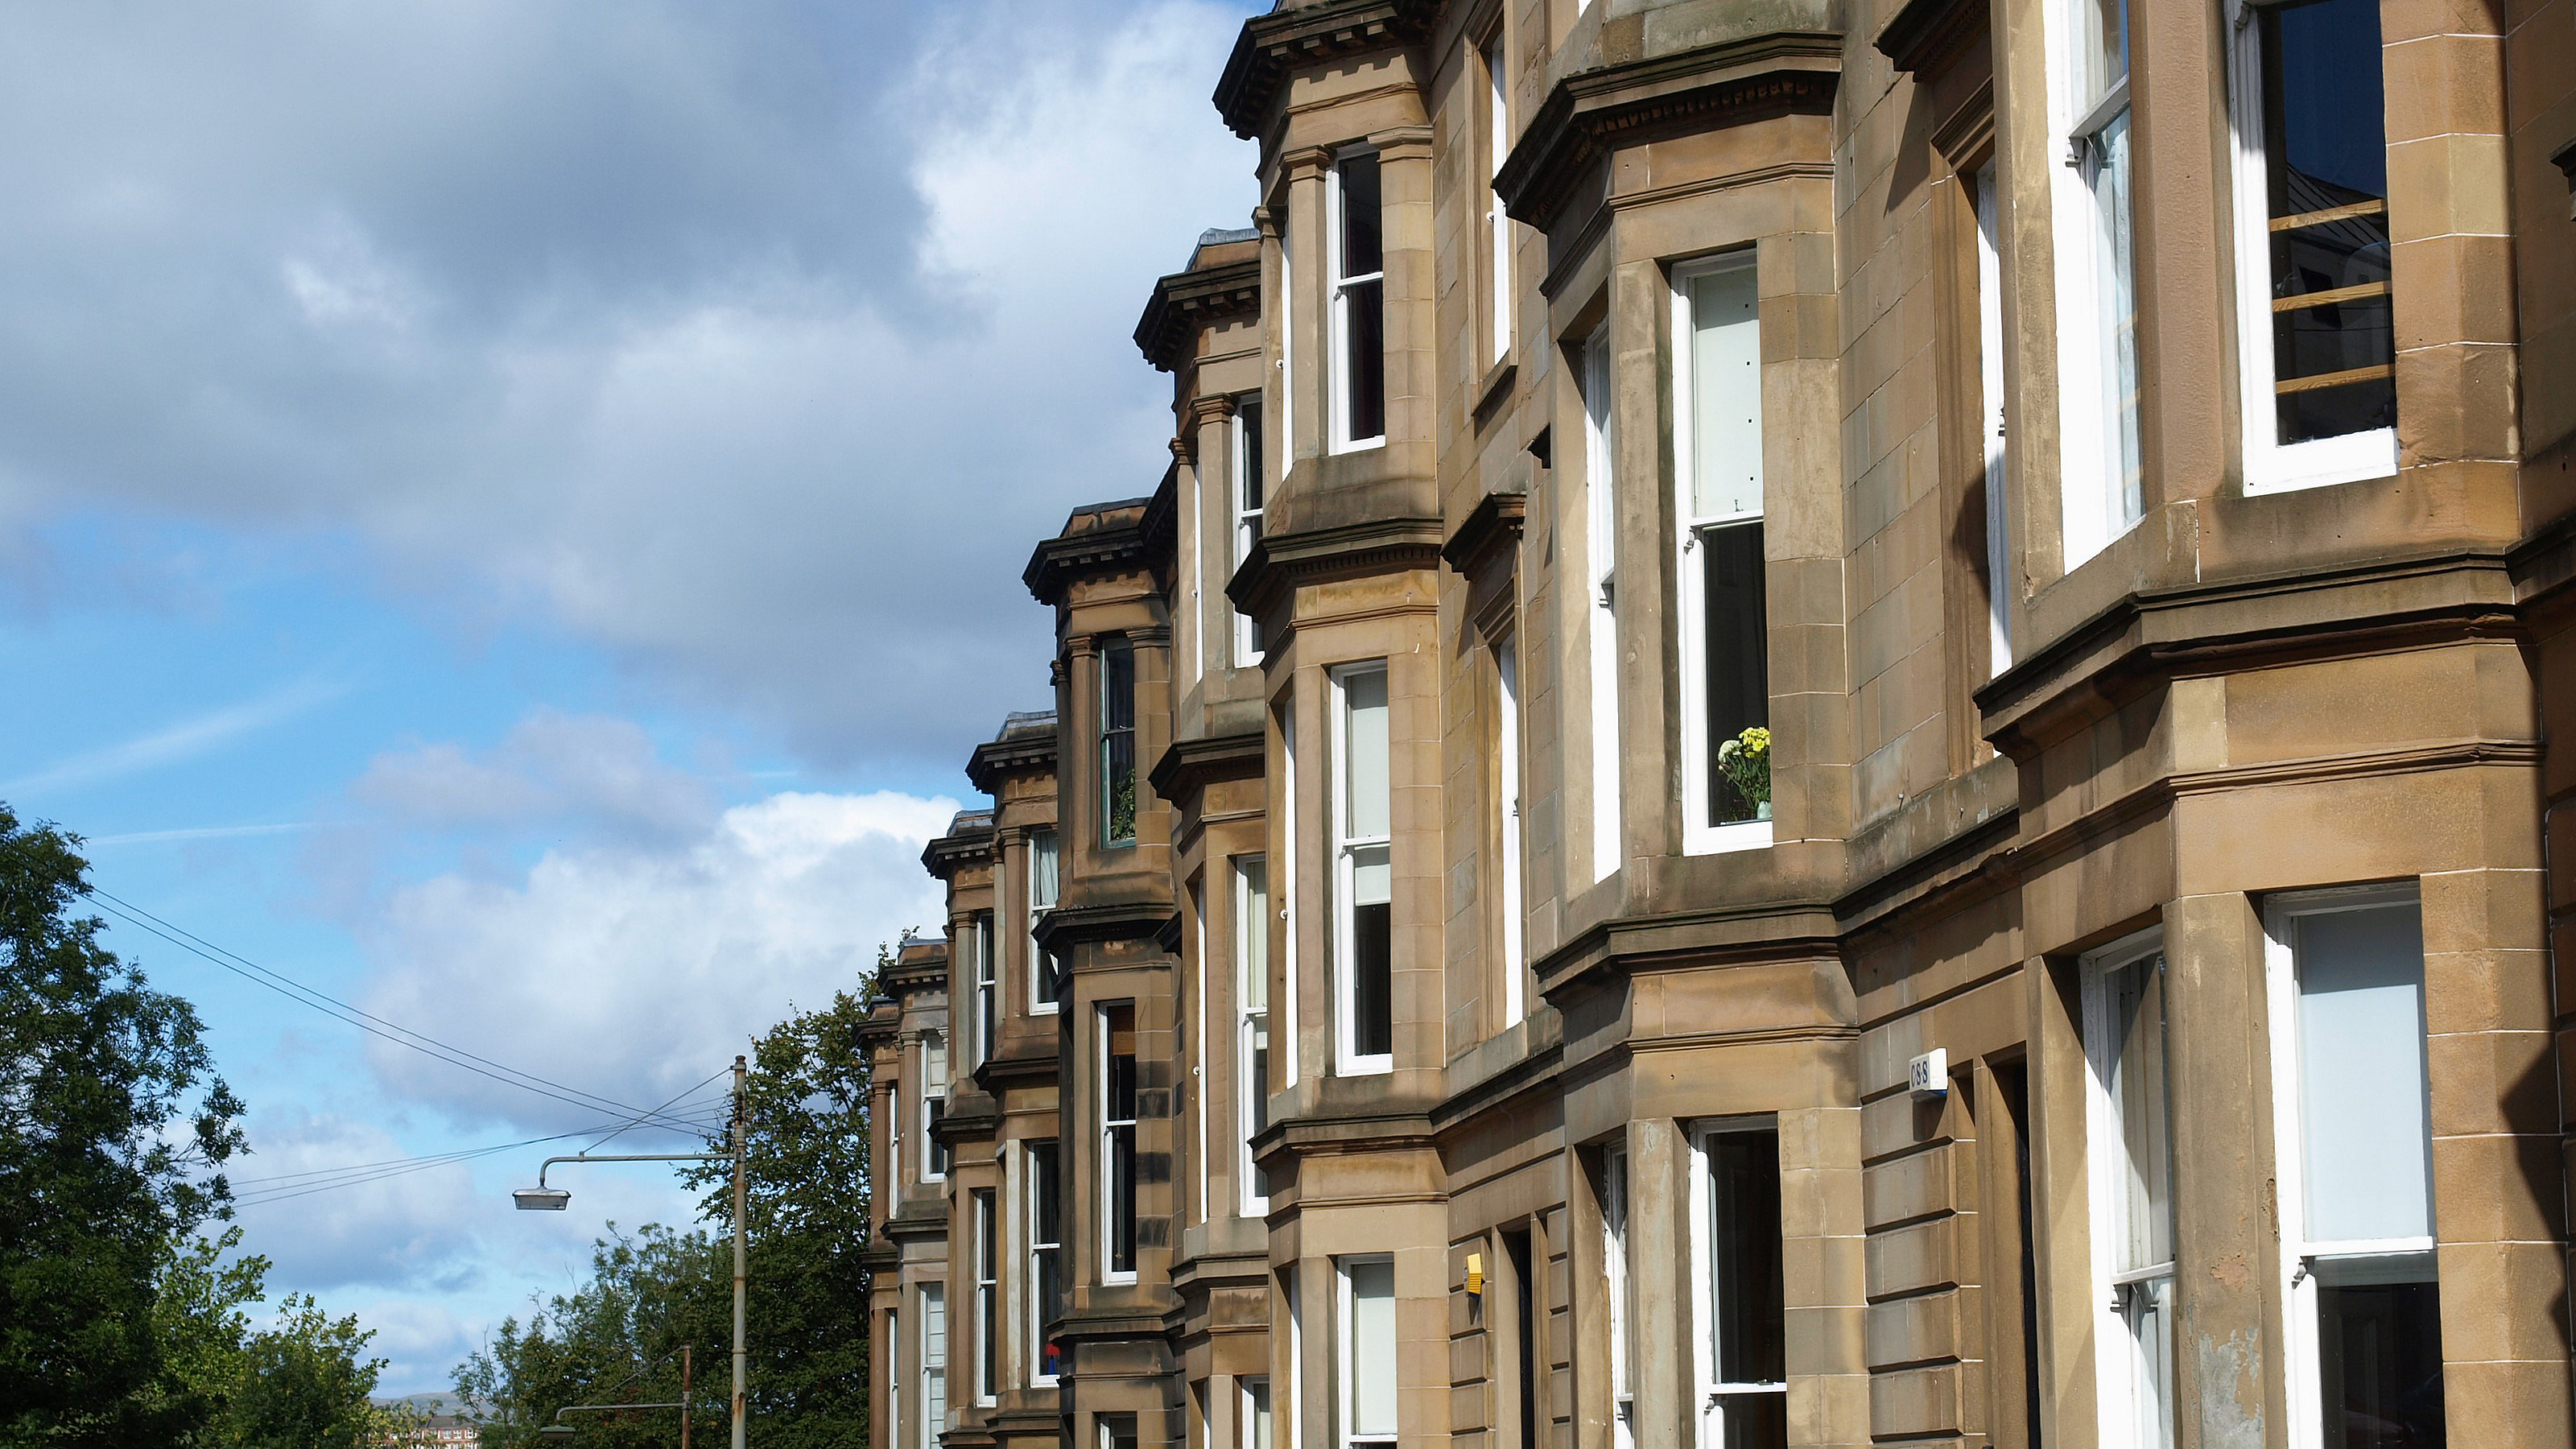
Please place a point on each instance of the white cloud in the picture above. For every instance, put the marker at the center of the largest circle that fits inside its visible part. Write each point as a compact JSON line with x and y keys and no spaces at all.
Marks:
{"x":758,"y":344}
{"x":633,"y":973}
{"x":321,"y":1228}
{"x":600,"y":771}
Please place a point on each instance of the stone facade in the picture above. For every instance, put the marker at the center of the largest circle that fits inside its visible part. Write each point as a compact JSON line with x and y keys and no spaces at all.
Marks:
{"x":1835,"y":728}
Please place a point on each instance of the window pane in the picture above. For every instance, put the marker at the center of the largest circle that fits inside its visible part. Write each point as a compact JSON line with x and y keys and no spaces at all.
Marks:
{"x":1372,"y":1348}
{"x":2118,"y":302}
{"x":1118,"y":742}
{"x":2361,"y":1073}
{"x":1372,"y":981}
{"x":1366,"y":359}
{"x":1364,"y":738}
{"x":2139,"y":1099}
{"x":2324,"y":139}
{"x":1737,"y":665}
{"x":2379,"y":1365}
{"x":1726,"y":382}
{"x":1756,"y":1421}
{"x":1042,"y":870}
{"x":1249,"y":476}
{"x":1361,"y":252}
{"x":1256,"y":1401}
{"x":1253,"y":931}
{"x":1744,"y":1249}
{"x":2103,"y":50}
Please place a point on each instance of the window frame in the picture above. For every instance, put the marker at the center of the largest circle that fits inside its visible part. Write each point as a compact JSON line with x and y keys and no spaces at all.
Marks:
{"x":1339,"y":287}
{"x":1251,"y":964}
{"x":1601,"y":562}
{"x":1255,"y":1427}
{"x":986,"y":988}
{"x":2116,"y":1344}
{"x":1710,"y":1392}
{"x":1109,"y":1144}
{"x":1997,"y":445}
{"x":2272,"y":466}
{"x":1493,"y":54}
{"x":1247,"y":499}
{"x":1043,"y":1252}
{"x":1042,"y":1000}
{"x":2302,"y":1269}
{"x":1619,"y":1309}
{"x":934,"y":1105}
{"x":1700,"y":834}
{"x":1283,"y":888}
{"x":1117,"y":685}
{"x":1514,"y":955}
{"x":2100,"y":500}
{"x":1348,"y":1358}
{"x":988,"y":1291}
{"x":932,"y":1301}
{"x":1348,"y":1060}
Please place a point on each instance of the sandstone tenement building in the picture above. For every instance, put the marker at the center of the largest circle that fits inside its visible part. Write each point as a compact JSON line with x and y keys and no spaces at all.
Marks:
{"x":1841,"y":723}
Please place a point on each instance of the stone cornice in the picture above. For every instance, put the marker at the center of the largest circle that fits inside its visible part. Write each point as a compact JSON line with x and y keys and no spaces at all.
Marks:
{"x":1495,"y":522}
{"x":1031,"y":753}
{"x":1925,"y":35}
{"x":1066,"y":925}
{"x":1185,"y":302}
{"x":1101,"y":548}
{"x":1283,"y":560}
{"x":1593,"y":112}
{"x":1271,"y":45}
{"x":2564,"y":158}
{"x":953,"y":852}
{"x":998,"y":1073}
{"x":1190,"y":766}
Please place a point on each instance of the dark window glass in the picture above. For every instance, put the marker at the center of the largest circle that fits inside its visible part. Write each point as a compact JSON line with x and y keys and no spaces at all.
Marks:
{"x":2379,"y":1365}
{"x":1738,"y":669}
{"x":1373,"y":979}
{"x":938,"y":1148}
{"x":1046,"y":1239}
{"x":1118,"y":1109}
{"x":1118,"y":743}
{"x":1368,"y":360}
{"x":2324,"y":137}
{"x":1757,"y":1421}
{"x":1744,"y":1179}
{"x":1361,"y":249}
{"x":1253,"y":461}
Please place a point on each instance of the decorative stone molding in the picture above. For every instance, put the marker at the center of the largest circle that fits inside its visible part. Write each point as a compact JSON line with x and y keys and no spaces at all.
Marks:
{"x":1593,"y":113}
{"x":1494,"y":523}
{"x":1282,"y":561}
{"x":1185,"y":302}
{"x":1188,"y":767}
{"x":1102,"y":547}
{"x":1269,"y":46}
{"x":1923,"y":36}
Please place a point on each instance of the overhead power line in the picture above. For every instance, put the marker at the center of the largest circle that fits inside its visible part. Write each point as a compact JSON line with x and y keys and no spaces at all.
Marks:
{"x":372,"y":1024}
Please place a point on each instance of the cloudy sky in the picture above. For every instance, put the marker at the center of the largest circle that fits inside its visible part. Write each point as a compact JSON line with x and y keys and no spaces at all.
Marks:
{"x":511,"y":515}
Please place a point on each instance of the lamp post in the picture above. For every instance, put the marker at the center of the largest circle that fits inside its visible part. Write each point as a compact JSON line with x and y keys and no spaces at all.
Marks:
{"x":544,"y":1199}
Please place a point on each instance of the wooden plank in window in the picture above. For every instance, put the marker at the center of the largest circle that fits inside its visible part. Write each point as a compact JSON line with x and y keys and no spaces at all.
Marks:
{"x":2332,"y":213}
{"x":2382,"y":372}
{"x":2303,"y":300}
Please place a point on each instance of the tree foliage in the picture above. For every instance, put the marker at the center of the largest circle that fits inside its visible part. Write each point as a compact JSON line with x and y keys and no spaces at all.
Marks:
{"x":617,"y":1338}
{"x":120,"y":1323}
{"x":113,"y":1131}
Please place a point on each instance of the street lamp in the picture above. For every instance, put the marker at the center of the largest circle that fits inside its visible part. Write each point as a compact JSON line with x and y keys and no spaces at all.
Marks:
{"x":544,"y":1199}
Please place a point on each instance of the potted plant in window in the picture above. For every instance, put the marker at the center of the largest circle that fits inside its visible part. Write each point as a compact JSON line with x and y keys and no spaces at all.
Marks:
{"x":1745,"y":764}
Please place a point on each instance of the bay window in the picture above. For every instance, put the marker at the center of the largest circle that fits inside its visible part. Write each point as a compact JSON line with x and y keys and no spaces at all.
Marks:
{"x":1364,"y":876}
{"x":2317,"y":340}
{"x":981,"y":970}
{"x":1507,"y":794}
{"x":1741,"y":1352}
{"x":934,"y":1363}
{"x":1602,"y":564}
{"x":1252,"y":1025}
{"x":1117,"y":743}
{"x":1498,"y":224}
{"x":934,"y":1105}
{"x":1368,"y":1352}
{"x":1043,"y":882}
{"x":1354,"y":231}
{"x":1248,"y":493}
{"x":1046,"y":1263}
{"x":1116,"y":1043}
{"x":2097,"y":277}
{"x":2131,"y":1161}
{"x":988,"y":1293}
{"x":2355,"y":1171}
{"x":1724,"y":652}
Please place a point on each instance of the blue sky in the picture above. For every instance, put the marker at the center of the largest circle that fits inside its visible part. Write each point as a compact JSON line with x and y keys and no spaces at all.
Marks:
{"x":511,"y":515}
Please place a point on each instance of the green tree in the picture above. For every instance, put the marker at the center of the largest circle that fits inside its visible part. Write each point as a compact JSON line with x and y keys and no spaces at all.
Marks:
{"x":113,"y":1131}
{"x":303,"y":1385}
{"x":617,"y":1338}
